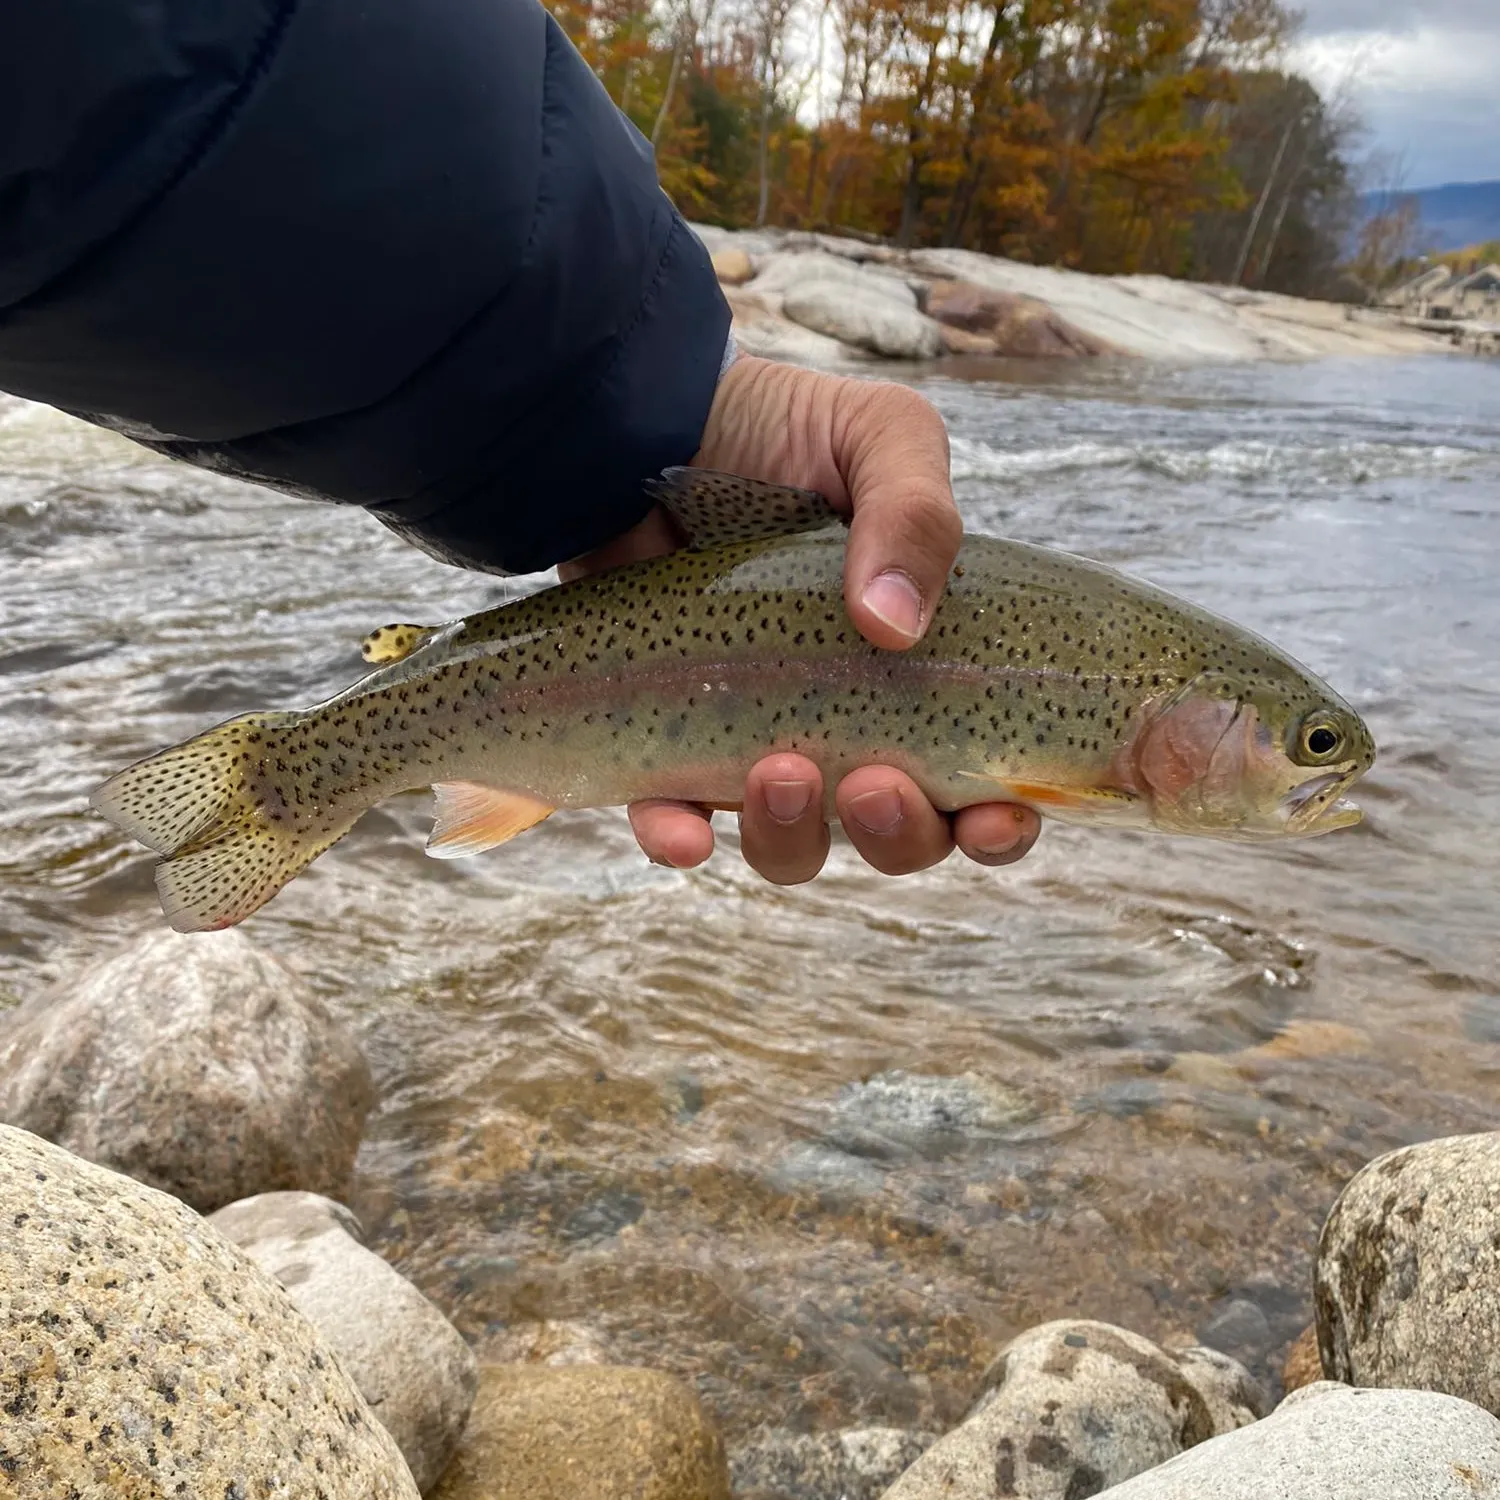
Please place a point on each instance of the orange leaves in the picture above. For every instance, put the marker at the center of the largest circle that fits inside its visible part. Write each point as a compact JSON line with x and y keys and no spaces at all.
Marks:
{"x":1094,"y":133}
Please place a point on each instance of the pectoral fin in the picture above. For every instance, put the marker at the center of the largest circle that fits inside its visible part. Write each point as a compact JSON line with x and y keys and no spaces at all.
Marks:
{"x":712,"y":508}
{"x":471,"y":818}
{"x":1056,"y":795}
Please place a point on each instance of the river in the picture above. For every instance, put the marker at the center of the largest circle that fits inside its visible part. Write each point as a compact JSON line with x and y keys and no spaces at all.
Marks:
{"x":820,"y":1150}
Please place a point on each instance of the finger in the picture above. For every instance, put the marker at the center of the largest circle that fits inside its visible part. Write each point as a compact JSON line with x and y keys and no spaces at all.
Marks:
{"x":996,"y":833}
{"x":783,"y":833}
{"x":890,"y":822}
{"x":892,"y":448}
{"x":672,"y":833}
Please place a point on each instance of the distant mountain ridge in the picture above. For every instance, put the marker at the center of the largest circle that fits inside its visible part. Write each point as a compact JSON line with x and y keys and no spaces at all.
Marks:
{"x":1454,"y":214}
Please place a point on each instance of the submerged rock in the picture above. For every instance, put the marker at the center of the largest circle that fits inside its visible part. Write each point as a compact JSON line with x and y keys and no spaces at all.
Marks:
{"x":857,"y":1464}
{"x":196,"y":1064}
{"x":899,"y":1114}
{"x":1328,"y":1442}
{"x":1407,"y":1279}
{"x":585,"y":1433}
{"x":142,"y":1354}
{"x":410,"y":1363}
{"x":1071,"y":1407}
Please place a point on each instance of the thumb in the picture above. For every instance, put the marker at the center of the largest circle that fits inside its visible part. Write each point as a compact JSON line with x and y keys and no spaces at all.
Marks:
{"x":892,"y":449}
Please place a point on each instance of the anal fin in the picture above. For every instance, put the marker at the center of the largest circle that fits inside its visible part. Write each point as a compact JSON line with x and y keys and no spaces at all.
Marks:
{"x":472,"y":817}
{"x":711,"y":508}
{"x":395,"y":642}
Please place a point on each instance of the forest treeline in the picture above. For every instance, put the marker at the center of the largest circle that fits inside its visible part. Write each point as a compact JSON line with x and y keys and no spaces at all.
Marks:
{"x":1106,"y":135}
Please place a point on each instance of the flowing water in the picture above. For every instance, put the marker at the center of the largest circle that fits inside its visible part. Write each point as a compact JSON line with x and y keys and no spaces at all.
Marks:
{"x":820,"y":1150}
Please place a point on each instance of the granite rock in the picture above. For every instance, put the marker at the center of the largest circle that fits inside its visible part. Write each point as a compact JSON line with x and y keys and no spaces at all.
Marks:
{"x":195,"y":1064}
{"x":410,"y":1363}
{"x":143,"y":1355}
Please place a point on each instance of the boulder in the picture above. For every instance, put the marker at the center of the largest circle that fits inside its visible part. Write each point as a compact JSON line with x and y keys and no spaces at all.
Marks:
{"x":585,"y":1433}
{"x":1070,"y":1407}
{"x":865,"y":317}
{"x":1016,"y":326}
{"x":411,"y":1365}
{"x":759,"y":328}
{"x":959,"y":341}
{"x":142,"y":1354}
{"x":733,"y":266}
{"x":856,"y":1464}
{"x":790,"y":271}
{"x":1328,"y":1442}
{"x":1407,"y":1277}
{"x":197,"y":1064}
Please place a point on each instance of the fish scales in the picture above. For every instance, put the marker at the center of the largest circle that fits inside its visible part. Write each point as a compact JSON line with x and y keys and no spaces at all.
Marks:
{"x":1036,"y":681}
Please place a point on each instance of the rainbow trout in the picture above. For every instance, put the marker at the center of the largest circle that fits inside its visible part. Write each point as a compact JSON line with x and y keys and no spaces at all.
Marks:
{"x":1044,"y":679}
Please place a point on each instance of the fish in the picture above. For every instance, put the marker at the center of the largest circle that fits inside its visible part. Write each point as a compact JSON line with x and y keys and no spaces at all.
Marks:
{"x":1044,"y":679}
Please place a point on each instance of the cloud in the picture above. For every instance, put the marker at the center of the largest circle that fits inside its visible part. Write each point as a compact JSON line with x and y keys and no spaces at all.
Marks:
{"x":1422,"y":76}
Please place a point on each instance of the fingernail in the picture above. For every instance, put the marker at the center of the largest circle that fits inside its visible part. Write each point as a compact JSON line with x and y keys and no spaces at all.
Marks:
{"x":1006,"y":845}
{"x":787,"y":800}
{"x":879,"y":811}
{"x":895,"y":601}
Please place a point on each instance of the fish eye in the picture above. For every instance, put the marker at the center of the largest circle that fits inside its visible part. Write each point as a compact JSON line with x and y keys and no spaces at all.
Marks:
{"x":1319,"y":738}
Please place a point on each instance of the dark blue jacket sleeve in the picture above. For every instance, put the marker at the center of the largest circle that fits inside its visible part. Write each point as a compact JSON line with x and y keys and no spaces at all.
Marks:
{"x":400,"y":253}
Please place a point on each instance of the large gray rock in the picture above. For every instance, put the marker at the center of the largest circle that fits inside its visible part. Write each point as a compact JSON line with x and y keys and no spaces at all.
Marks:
{"x":410,"y":1363}
{"x":197,"y":1064}
{"x":1407,"y":1279}
{"x":1070,"y":1407}
{"x":1328,"y":1442}
{"x":143,"y":1355}
{"x":865,"y":316}
{"x":856,"y":1464}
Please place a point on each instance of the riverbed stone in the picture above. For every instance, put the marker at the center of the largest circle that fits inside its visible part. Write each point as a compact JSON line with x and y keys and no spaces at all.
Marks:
{"x":1407,"y":1277}
{"x":859,"y":1463}
{"x":411,"y":1365}
{"x":897,"y":1114}
{"x":143,"y":1355}
{"x":1073,"y":1406}
{"x":197,"y":1064}
{"x":1330,"y":1442}
{"x":585,"y":1433}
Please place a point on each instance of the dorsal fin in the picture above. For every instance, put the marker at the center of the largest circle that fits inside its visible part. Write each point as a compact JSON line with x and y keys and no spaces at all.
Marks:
{"x":712,"y":508}
{"x":395,"y":642}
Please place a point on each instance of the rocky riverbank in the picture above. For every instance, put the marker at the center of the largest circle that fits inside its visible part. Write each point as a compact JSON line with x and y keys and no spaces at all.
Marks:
{"x":822,"y":299}
{"x":264,"y":1349}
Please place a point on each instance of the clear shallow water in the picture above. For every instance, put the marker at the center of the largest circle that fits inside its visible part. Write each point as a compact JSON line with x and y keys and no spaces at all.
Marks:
{"x":630,"y":1098}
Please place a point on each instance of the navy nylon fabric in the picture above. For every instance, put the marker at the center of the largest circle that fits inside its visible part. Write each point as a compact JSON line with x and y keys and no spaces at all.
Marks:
{"x":406,"y":256}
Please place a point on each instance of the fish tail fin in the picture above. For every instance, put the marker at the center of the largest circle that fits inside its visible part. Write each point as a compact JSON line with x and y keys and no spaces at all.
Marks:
{"x":231,"y":836}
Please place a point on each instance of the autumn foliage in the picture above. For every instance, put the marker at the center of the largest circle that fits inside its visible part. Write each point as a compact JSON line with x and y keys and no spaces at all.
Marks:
{"x":1109,"y":135}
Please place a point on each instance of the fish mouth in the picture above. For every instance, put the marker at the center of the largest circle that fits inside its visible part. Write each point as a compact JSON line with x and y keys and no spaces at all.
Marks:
{"x":1318,"y":806}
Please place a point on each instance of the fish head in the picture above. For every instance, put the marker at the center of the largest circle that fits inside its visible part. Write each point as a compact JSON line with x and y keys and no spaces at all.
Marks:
{"x":1269,"y":759}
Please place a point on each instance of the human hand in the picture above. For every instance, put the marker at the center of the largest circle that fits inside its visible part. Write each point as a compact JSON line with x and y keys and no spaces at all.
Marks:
{"x":881,"y":451}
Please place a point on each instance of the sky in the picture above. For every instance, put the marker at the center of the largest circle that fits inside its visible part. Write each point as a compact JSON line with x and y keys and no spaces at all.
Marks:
{"x":1423,"y":74}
